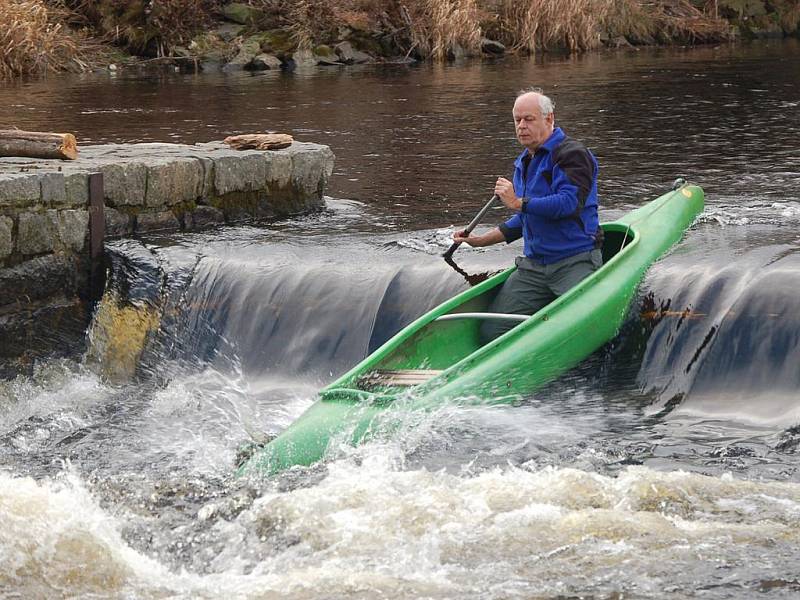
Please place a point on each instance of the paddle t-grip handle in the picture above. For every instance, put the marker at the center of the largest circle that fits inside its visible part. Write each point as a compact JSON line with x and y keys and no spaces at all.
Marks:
{"x":468,"y":229}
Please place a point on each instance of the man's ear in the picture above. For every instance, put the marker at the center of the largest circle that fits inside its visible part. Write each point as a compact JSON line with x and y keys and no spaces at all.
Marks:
{"x":550,"y":119}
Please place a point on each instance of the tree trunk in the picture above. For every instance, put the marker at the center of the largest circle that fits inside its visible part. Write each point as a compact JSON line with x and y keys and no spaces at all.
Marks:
{"x":35,"y":144}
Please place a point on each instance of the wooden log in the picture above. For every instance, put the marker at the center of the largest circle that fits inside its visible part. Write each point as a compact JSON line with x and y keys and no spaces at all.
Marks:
{"x":37,"y":144}
{"x":259,"y":141}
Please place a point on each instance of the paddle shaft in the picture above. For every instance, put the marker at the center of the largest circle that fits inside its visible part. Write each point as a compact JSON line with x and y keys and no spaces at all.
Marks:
{"x":472,"y":225}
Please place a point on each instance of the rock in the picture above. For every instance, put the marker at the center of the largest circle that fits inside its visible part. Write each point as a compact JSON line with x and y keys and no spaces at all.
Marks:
{"x":77,"y":189}
{"x":492,"y":47}
{"x":456,"y":52}
{"x":54,"y":190}
{"x":158,"y":221}
{"x":243,"y":14}
{"x":325,"y":61}
{"x":124,"y":183}
{"x":619,"y":42}
{"x":73,"y":228}
{"x":209,"y":47}
{"x":304,"y":58}
{"x":239,"y":171}
{"x":37,"y":232}
{"x":181,"y":52}
{"x":227,"y":31}
{"x":264,"y":62}
{"x":37,"y":279}
{"x":6,"y":240}
{"x":117,"y":223}
{"x":209,"y":66}
{"x":277,"y":41}
{"x":202,"y":217}
{"x":172,"y":181}
{"x":349,"y":55}
{"x":772,"y":31}
{"x":247,"y":52}
{"x":19,"y":189}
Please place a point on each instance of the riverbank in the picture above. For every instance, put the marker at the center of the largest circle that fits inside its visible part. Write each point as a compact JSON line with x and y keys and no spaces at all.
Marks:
{"x":278,"y":34}
{"x":54,"y":216}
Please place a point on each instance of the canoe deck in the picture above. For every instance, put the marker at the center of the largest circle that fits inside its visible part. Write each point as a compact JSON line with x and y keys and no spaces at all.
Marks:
{"x":396,"y":378}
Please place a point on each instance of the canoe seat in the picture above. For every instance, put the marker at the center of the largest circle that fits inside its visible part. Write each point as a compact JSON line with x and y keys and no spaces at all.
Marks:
{"x":483,"y":315}
{"x":397,"y":377}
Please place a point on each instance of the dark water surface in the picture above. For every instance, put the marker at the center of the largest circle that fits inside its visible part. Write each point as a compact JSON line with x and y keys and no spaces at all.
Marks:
{"x":665,"y":466}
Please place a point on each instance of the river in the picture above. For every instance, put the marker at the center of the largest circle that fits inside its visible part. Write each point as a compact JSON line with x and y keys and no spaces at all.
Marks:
{"x":664,"y":466}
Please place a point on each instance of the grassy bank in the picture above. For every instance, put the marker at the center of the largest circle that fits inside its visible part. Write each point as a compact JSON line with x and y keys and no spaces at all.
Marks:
{"x":52,"y":35}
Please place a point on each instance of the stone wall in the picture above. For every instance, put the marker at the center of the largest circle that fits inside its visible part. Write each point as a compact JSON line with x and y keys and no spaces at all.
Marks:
{"x":45,"y":220}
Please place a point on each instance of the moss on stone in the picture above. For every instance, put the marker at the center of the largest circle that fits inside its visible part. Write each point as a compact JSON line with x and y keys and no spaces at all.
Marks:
{"x":323,"y":50}
{"x":277,"y":41}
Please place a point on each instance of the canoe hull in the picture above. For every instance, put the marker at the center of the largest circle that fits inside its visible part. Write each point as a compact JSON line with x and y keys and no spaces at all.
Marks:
{"x":532,"y":354}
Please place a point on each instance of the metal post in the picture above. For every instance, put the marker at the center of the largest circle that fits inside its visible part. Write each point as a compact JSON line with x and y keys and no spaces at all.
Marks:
{"x":97,"y":234}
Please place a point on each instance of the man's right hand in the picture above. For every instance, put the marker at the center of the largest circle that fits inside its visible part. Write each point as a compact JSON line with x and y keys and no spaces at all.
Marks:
{"x":462,"y":237}
{"x":493,"y":236}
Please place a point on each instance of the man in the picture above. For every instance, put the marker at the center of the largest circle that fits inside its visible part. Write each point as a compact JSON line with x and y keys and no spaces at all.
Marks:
{"x":554,"y":194}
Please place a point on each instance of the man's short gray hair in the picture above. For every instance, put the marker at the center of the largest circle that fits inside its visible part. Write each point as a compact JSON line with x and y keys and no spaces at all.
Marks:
{"x":546,"y":105}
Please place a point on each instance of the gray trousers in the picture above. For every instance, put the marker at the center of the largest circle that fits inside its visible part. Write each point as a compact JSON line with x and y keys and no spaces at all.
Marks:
{"x":534,"y":285}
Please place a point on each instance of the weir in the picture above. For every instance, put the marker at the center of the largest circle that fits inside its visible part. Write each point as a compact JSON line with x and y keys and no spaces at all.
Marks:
{"x":49,"y":244}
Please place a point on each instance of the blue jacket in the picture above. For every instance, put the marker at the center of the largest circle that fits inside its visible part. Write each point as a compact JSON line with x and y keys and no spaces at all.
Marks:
{"x":558,"y":187}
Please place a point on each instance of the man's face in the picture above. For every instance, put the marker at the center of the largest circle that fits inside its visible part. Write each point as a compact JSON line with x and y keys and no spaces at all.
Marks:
{"x":531,"y":127}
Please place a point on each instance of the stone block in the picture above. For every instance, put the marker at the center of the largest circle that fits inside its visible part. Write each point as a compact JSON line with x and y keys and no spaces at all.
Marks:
{"x":77,"y":189}
{"x":310,"y":172}
{"x":117,"y":222}
{"x":19,"y":189}
{"x":54,"y":190}
{"x":73,"y":228}
{"x":279,"y":169}
{"x":6,"y":237}
{"x":159,"y":221}
{"x":124,"y":183}
{"x":38,"y":232}
{"x":207,"y":190}
{"x":239,"y":172}
{"x":174,"y":181}
{"x":202,"y":217}
{"x":39,"y":278}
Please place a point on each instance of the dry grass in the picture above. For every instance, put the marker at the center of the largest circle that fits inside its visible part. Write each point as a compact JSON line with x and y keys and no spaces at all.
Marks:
{"x":438,"y":28}
{"x":143,"y":26}
{"x":680,"y":20}
{"x":543,"y":24}
{"x":33,"y":41}
{"x":38,"y":37}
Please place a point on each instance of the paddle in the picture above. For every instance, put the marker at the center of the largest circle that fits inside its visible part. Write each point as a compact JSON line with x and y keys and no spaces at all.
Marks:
{"x":471,"y":226}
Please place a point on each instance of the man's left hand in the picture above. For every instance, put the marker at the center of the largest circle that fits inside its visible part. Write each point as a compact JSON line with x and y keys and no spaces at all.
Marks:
{"x":505,"y":191}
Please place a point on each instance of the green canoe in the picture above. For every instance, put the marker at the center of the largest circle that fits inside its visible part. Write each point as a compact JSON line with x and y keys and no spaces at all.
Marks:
{"x":438,"y":358}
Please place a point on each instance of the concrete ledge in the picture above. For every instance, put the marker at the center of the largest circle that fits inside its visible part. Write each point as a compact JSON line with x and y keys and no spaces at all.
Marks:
{"x":45,"y":267}
{"x":144,"y":182}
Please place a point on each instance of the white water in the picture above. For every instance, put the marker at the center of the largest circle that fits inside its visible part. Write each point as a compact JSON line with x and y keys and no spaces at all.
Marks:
{"x":375,"y":530}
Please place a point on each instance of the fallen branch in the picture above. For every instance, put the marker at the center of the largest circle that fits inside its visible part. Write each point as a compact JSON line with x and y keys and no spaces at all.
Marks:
{"x":35,"y":144}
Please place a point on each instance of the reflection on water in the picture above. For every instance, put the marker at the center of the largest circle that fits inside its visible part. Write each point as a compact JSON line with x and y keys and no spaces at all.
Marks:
{"x":423,"y":144}
{"x":665,"y":466}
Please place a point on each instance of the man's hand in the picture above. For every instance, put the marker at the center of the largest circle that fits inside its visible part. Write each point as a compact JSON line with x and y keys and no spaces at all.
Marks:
{"x":462,"y":237}
{"x":505,"y":191}
{"x":493,"y":236}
